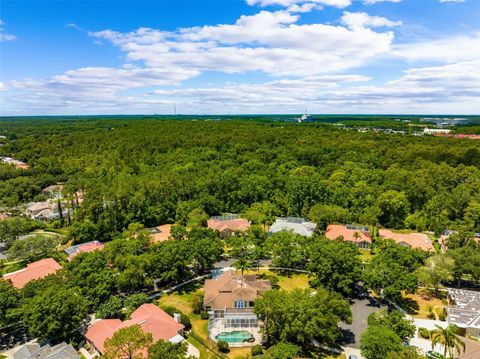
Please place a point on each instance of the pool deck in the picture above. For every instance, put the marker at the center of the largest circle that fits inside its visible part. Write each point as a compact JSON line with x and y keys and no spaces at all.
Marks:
{"x":217,"y":327}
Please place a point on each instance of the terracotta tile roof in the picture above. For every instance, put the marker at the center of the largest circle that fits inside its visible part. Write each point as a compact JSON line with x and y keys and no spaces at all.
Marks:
{"x":35,"y":270}
{"x":233,"y":225}
{"x":83,"y":248}
{"x":151,"y":318}
{"x":413,"y":240}
{"x":160,"y":233}
{"x":222,"y":292}
{"x":339,"y":230}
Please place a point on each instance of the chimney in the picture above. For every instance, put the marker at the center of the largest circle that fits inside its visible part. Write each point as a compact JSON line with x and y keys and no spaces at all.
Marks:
{"x":176,"y":316}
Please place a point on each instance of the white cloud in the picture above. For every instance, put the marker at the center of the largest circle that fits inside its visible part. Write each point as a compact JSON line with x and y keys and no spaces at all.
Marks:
{"x":445,"y":1}
{"x":308,"y":65}
{"x":453,"y":88}
{"x":449,"y":49}
{"x":3,"y":35}
{"x":355,"y":20}
{"x":287,"y":3}
{"x":271,"y":42}
{"x":371,"y":2}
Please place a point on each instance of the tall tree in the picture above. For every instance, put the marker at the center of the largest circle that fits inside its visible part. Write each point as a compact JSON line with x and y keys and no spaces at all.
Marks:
{"x":449,"y":338}
{"x":335,"y":265}
{"x":165,"y":350}
{"x":300,"y":315}
{"x":129,"y":343}
{"x":378,"y":341}
{"x":55,"y":312}
{"x":437,"y":269}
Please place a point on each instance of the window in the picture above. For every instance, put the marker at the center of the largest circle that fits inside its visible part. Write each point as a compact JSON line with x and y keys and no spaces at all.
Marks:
{"x":240,"y":304}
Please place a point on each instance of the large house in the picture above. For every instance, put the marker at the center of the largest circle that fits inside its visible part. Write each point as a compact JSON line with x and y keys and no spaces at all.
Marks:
{"x":34,"y":351}
{"x":228,"y":225}
{"x":45,"y":211}
{"x":229,"y":300}
{"x":53,"y":191}
{"x":83,"y":248}
{"x":151,"y":319}
{"x":358,"y":235}
{"x":293,"y":224}
{"x":412,"y":240}
{"x":464,"y":311}
{"x":18,"y":164}
{"x":35,"y":270}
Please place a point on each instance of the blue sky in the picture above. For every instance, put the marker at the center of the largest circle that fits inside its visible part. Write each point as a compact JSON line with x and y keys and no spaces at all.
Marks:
{"x":253,"y":56}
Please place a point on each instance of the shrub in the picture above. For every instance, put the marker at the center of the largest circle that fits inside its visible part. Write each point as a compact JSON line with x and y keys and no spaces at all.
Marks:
{"x":443,"y":315}
{"x":197,"y":303}
{"x":222,"y":346}
{"x":183,"y":318}
{"x":257,"y":350}
{"x":204,"y":315}
{"x":424,"y":333}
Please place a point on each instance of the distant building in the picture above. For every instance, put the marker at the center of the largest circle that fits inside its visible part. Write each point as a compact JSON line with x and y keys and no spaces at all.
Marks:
{"x":151,"y":319}
{"x":18,"y":164}
{"x":227,"y":225}
{"x":436,"y":131}
{"x":83,"y":248}
{"x":45,"y":211}
{"x":358,"y":235}
{"x":464,"y":311}
{"x":160,"y":233}
{"x":33,"y":271}
{"x":293,"y":224}
{"x":53,"y":191}
{"x":34,"y":351}
{"x":412,"y":240}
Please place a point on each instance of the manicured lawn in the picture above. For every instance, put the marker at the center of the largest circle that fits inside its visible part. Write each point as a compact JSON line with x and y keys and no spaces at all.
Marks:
{"x":289,"y":281}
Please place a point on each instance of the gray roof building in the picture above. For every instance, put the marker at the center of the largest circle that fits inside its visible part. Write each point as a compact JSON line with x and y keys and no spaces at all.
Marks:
{"x":34,"y":351}
{"x":464,"y":308}
{"x":294,"y":224}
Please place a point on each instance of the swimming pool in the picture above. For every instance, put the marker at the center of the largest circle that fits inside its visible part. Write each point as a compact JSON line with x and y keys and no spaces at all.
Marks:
{"x":239,"y":336}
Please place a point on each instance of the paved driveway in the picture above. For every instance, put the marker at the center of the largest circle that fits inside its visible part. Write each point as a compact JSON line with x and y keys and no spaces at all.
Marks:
{"x":361,"y":309}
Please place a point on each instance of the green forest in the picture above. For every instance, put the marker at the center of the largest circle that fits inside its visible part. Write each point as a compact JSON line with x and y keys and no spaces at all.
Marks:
{"x":157,"y":171}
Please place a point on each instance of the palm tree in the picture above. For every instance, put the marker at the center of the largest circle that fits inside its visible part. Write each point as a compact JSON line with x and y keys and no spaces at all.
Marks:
{"x":449,"y":338}
{"x":356,"y":236}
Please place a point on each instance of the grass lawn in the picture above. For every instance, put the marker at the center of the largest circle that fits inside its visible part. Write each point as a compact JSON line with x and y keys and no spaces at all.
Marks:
{"x":288,"y":281}
{"x":423,"y":304}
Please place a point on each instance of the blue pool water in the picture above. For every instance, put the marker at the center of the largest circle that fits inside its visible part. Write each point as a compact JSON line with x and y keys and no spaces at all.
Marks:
{"x":234,"y":337}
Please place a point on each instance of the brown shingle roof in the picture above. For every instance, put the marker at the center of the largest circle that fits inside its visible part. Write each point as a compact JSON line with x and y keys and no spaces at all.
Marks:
{"x":221,"y":293}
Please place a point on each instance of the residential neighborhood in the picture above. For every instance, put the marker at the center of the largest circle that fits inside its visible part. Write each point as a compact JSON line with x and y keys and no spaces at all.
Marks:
{"x":238,"y":239}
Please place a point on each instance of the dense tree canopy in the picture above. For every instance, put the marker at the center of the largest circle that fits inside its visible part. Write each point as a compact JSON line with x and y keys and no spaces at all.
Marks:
{"x":299,"y":316}
{"x":335,"y":265}
{"x":152,"y":172}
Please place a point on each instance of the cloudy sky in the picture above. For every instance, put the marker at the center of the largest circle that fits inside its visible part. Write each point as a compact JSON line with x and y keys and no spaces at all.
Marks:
{"x":233,"y":56}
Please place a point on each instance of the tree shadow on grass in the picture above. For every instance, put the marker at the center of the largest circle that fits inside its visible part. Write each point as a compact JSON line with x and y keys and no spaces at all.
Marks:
{"x":189,"y":288}
{"x":409,"y":305}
